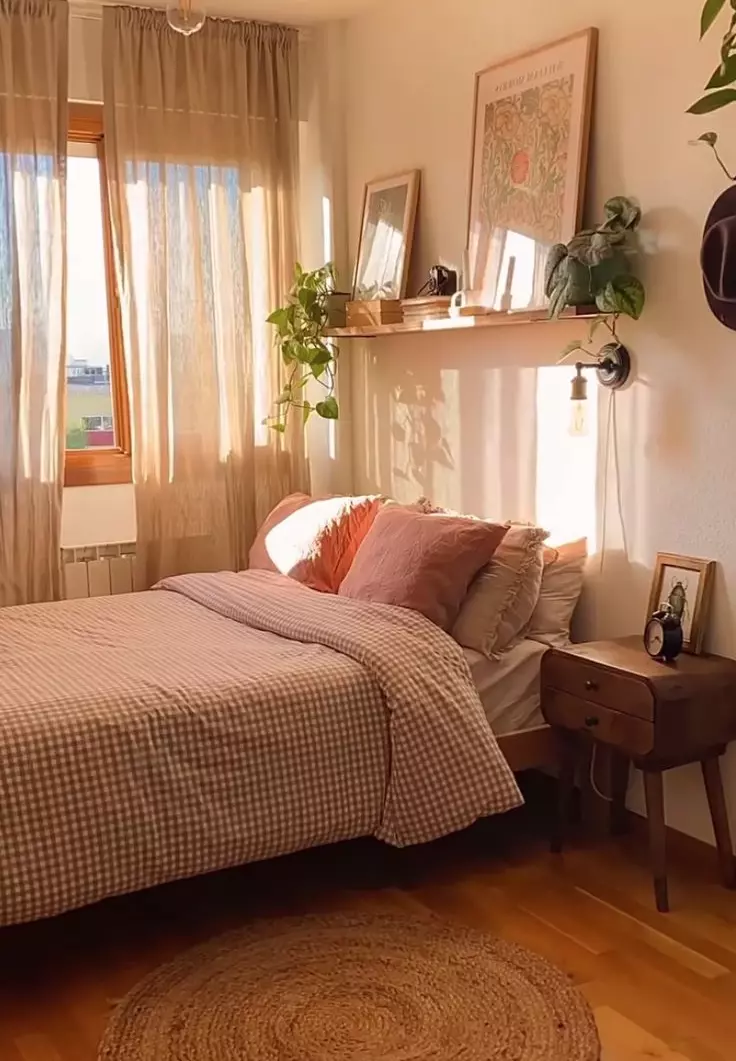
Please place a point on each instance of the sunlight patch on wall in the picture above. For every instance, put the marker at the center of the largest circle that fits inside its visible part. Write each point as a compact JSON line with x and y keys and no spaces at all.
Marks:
{"x":567,"y":466}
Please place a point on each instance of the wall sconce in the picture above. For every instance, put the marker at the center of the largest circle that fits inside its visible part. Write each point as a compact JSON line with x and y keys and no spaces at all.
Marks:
{"x":613,"y":368}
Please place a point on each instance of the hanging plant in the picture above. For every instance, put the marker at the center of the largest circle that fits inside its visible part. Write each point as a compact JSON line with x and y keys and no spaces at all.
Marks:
{"x":300,"y":338}
{"x":594,"y":268}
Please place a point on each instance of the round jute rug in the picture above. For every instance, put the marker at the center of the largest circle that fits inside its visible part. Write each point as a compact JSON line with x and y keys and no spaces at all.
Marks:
{"x":354,"y":988}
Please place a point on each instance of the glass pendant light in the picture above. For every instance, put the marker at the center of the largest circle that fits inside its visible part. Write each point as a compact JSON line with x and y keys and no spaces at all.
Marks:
{"x":579,"y":404}
{"x":185,"y":17}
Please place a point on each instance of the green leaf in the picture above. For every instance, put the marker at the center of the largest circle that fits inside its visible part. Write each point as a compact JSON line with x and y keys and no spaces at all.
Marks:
{"x":711,"y":11}
{"x":301,"y":352}
{"x":281,"y":319}
{"x":622,"y":211}
{"x":322,"y":357}
{"x":592,"y":247}
{"x":285,"y":397}
{"x":714,"y":101}
{"x":307,"y":297}
{"x":279,"y":426}
{"x":306,"y":411}
{"x":328,"y":409}
{"x":572,"y":347}
{"x":555,"y":258}
{"x":558,"y":298}
{"x":723,"y":75}
{"x":708,"y":138}
{"x":623,"y":294}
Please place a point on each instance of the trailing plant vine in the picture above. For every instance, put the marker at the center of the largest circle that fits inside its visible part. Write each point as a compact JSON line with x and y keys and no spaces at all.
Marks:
{"x":300,"y":327}
{"x":720,"y":91}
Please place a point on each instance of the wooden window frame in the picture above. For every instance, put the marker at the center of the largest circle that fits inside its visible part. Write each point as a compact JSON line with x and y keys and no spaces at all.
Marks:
{"x":104,"y":465}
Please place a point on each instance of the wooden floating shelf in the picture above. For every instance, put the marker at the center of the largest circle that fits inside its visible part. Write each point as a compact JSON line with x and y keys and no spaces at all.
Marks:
{"x":459,"y":324}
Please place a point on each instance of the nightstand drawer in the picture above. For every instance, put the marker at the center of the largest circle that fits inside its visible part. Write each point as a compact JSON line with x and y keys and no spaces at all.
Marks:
{"x":590,"y":682}
{"x":627,"y":732}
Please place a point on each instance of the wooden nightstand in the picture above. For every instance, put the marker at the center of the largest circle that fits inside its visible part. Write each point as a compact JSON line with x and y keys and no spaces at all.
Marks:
{"x":655,"y":715}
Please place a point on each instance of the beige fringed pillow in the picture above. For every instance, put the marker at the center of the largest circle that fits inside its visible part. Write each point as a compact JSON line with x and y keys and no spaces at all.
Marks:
{"x":501,"y":599}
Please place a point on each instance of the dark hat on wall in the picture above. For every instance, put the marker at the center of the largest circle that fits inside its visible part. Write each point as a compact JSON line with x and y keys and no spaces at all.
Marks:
{"x":718,"y":258}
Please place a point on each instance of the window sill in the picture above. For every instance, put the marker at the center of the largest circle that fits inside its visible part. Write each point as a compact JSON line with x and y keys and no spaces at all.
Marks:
{"x":96,"y":467}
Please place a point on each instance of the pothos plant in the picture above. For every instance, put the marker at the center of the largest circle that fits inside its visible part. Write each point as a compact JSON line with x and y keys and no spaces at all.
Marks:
{"x":300,"y":327}
{"x":594,"y":268}
{"x":721,"y":89}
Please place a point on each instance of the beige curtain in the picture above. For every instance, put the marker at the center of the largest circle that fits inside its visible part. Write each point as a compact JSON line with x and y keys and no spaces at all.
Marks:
{"x":33,"y":120}
{"x":201,"y":138}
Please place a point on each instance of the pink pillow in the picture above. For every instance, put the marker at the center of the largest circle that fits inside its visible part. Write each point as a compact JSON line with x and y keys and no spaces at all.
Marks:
{"x":313,"y":540}
{"x":420,"y":561}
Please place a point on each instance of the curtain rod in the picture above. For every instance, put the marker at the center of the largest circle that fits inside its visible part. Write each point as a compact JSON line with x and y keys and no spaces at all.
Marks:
{"x":92,"y":10}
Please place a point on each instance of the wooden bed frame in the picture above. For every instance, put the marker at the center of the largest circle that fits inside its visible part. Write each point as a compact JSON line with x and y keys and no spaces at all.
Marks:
{"x":531,"y":749}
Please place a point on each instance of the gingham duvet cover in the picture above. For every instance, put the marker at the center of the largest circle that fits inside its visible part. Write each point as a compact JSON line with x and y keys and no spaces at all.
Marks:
{"x":222,"y":719}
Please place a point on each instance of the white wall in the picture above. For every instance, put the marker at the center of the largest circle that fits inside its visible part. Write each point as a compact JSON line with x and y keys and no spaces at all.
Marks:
{"x":465,"y":399}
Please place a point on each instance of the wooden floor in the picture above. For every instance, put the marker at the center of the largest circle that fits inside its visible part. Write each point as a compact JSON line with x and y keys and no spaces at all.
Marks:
{"x":662,"y":986}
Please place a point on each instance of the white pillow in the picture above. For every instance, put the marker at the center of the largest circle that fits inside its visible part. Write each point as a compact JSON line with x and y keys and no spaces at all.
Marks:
{"x":562,"y":584}
{"x":502,"y":597}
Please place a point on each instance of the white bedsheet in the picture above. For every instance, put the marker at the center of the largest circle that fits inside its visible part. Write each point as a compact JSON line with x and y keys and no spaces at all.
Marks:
{"x":509,"y":686}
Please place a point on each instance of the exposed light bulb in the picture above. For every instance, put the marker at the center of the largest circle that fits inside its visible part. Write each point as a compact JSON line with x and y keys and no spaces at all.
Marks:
{"x":579,"y":403}
{"x":579,"y":419}
{"x":184,"y":17}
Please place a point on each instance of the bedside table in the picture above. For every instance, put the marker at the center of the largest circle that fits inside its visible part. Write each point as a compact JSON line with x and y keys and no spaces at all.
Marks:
{"x":654,"y":715}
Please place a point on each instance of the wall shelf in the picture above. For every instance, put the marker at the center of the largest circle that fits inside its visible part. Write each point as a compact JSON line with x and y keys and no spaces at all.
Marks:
{"x":459,"y":324}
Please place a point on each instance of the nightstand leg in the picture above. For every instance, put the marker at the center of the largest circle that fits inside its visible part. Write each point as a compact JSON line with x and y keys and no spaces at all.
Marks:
{"x":619,"y":788}
{"x":567,"y":746}
{"x":654,"y":791}
{"x":719,"y":817}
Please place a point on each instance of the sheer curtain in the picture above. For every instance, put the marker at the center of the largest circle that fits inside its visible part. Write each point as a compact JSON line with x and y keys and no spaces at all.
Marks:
{"x":33,"y":94}
{"x":201,"y":138}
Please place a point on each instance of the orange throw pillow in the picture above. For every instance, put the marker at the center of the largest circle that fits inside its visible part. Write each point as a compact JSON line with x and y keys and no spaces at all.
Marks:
{"x":313,"y":540}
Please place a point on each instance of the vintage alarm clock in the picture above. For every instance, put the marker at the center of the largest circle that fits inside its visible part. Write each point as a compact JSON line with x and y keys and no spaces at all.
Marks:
{"x":663,"y":637}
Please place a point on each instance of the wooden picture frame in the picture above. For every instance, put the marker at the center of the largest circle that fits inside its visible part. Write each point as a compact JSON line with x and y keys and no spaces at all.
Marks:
{"x":690,"y":602}
{"x":382,"y":261}
{"x":528,"y":168}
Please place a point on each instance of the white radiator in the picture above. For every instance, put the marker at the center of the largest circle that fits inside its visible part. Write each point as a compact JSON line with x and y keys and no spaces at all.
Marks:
{"x":98,"y":570}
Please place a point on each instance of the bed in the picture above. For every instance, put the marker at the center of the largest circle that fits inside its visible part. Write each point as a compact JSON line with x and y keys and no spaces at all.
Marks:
{"x":227,"y":718}
{"x":509,"y":690}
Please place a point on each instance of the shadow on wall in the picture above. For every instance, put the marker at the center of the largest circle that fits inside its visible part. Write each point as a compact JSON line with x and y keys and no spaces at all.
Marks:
{"x":482,"y":428}
{"x":417,"y":433}
{"x":436,"y":424}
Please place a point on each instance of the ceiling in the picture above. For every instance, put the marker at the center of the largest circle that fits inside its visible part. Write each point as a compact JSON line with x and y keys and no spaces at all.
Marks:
{"x":291,"y":12}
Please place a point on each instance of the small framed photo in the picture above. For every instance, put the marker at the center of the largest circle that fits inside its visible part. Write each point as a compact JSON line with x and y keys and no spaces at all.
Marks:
{"x":686,"y":584}
{"x":386,"y":236}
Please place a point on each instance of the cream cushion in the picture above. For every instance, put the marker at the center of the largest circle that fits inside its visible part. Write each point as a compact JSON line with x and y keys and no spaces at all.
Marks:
{"x":562,"y":584}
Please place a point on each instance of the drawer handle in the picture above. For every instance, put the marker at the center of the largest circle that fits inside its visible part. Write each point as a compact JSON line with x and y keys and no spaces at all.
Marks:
{"x":591,"y":686}
{"x":591,"y":721}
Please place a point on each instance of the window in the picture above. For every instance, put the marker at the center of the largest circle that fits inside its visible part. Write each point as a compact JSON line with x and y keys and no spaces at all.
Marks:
{"x":97,"y":422}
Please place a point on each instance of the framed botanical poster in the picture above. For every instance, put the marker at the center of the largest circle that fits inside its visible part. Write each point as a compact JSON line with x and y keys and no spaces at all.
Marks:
{"x":386,"y":235}
{"x":528,"y":169}
{"x":686,"y":584}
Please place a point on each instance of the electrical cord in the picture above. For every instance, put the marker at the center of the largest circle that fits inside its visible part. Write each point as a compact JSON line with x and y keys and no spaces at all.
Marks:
{"x":593,"y":785}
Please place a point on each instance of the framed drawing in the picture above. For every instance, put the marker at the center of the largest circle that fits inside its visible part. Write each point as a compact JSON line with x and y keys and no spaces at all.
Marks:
{"x":528,"y":168}
{"x":386,"y":235}
{"x":686,"y":584}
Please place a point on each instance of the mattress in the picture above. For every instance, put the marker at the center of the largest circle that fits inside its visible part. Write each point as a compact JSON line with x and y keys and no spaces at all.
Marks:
{"x":509,"y":686}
